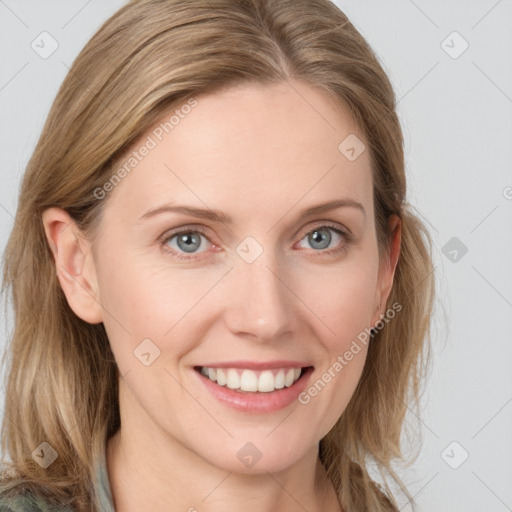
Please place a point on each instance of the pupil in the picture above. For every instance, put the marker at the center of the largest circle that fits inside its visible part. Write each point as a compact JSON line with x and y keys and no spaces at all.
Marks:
{"x":187,"y":239}
{"x":323,"y":238}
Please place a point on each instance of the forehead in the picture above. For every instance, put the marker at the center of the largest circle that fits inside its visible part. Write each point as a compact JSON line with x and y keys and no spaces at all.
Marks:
{"x":245,"y":146}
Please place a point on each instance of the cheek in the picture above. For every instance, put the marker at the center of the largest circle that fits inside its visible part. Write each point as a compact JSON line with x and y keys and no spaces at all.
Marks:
{"x":146,"y":298}
{"x":344,"y":309}
{"x":342,"y":300}
{"x":144,"y":302}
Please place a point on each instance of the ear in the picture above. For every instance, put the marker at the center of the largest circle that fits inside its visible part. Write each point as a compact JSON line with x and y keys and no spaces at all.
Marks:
{"x":387,"y":268}
{"x":74,"y":263}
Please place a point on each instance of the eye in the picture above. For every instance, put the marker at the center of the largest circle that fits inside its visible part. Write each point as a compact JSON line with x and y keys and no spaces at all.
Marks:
{"x":186,"y":242}
{"x":320,"y":238}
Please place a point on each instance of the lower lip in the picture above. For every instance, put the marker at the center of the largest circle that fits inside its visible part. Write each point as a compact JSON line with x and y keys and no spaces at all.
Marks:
{"x":257,"y":402}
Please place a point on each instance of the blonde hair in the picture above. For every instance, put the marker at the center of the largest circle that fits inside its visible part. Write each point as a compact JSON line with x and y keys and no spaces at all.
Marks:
{"x":149,"y":57}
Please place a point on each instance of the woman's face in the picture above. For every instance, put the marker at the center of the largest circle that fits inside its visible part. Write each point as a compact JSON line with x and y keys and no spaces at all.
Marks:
{"x":245,"y":289}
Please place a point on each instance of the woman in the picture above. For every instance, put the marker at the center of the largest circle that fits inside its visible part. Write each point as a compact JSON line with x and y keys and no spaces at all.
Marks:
{"x":150,"y":374}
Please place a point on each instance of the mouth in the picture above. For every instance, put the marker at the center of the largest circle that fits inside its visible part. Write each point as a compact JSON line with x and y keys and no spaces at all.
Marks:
{"x":245,"y":380}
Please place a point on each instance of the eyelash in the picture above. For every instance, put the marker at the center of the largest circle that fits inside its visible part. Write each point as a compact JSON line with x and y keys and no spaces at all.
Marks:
{"x":197,"y":229}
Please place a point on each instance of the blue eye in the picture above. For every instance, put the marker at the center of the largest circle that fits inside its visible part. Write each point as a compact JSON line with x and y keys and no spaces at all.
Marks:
{"x":320,"y":237}
{"x":188,"y":241}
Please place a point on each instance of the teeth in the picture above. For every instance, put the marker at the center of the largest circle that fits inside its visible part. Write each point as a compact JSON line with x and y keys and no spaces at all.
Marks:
{"x":279,"y":380}
{"x":266,"y":382}
{"x":251,"y":381}
{"x":221,"y":377}
{"x":233,"y":381}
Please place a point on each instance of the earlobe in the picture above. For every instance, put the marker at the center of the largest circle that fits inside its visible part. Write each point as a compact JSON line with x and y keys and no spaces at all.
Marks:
{"x":74,"y":264}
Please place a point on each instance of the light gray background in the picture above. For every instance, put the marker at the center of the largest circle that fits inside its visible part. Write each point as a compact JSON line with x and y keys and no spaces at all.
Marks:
{"x":457,"y":120}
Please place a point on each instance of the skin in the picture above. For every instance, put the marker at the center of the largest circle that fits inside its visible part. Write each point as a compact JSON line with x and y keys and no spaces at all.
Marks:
{"x":261,"y":154}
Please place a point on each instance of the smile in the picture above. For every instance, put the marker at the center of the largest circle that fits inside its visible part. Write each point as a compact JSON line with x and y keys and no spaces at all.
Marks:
{"x":255,"y":391}
{"x":251,"y":381}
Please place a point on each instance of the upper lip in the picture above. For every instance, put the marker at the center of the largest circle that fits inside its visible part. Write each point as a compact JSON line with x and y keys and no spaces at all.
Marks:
{"x":253,"y":365}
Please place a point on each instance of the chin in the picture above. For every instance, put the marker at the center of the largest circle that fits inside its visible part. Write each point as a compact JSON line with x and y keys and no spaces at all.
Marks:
{"x":258,"y":456}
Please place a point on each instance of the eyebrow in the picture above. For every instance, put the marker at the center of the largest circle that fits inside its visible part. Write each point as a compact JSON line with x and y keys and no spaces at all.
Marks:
{"x":218,"y":216}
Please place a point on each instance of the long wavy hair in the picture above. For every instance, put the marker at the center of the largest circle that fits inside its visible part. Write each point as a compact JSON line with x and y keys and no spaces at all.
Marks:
{"x":149,"y":57}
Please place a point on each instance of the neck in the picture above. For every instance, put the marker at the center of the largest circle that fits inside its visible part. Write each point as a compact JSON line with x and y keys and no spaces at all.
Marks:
{"x":150,"y":470}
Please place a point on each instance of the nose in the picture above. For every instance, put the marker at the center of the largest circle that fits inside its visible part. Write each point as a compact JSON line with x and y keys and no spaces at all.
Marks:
{"x":260,"y":304}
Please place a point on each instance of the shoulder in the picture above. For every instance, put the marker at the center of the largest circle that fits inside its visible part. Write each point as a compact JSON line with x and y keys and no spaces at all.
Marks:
{"x":28,"y":502}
